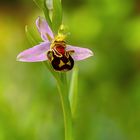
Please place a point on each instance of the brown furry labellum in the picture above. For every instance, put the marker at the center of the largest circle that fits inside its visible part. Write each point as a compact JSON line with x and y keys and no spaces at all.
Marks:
{"x":59,"y":58}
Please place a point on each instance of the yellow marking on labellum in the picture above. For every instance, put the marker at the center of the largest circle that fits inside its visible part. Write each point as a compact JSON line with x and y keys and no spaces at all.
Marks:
{"x":56,"y":53}
{"x":67,"y":54}
{"x":68,"y":63}
{"x":56,"y":43}
{"x":61,"y":63}
{"x":50,"y":55}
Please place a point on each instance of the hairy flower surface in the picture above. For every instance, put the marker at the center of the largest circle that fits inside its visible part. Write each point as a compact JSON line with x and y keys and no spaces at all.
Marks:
{"x":54,"y":49}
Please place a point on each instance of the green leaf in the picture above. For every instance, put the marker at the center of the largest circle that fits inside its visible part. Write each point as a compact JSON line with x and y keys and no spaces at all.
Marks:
{"x":56,"y":15}
{"x":30,"y":34}
{"x":46,"y":13}
{"x":73,"y":92}
{"x":42,"y":5}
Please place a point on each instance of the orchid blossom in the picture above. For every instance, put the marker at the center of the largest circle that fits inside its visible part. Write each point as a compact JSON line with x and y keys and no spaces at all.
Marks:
{"x":54,"y":49}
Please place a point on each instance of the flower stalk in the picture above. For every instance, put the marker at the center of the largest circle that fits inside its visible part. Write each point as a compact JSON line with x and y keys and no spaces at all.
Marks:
{"x":62,"y":85}
{"x":63,"y":92}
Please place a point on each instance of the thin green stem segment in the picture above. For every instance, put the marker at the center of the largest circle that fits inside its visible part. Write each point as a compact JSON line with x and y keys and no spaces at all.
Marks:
{"x":64,"y":96}
{"x":63,"y":91}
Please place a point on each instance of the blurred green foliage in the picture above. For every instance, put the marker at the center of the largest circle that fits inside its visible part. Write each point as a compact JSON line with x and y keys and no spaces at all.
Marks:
{"x":109,"y":83}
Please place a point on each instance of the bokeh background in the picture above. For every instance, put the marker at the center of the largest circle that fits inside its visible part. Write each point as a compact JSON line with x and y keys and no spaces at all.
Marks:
{"x":109,"y":83}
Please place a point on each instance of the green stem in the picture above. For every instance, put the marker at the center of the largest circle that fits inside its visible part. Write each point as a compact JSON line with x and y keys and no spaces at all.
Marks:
{"x":64,"y":96}
{"x":63,"y":91}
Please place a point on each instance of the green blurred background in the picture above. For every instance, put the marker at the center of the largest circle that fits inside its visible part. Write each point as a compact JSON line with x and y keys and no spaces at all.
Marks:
{"x":109,"y":83}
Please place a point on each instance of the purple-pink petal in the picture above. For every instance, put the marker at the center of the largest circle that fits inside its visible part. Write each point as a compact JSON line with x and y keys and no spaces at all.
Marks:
{"x":79,"y":53}
{"x":44,"y":29}
{"x":35,"y":54}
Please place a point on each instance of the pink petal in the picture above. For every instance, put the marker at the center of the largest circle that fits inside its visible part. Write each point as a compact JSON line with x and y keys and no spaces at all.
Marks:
{"x":35,"y":54}
{"x":79,"y":53}
{"x":44,"y":29}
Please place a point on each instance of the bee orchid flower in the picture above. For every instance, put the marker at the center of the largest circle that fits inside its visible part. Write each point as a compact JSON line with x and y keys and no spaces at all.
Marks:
{"x":54,"y":49}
